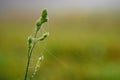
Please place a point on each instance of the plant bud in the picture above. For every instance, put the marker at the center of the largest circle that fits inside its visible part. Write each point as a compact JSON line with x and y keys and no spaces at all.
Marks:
{"x":30,"y":41}
{"x":44,"y":13}
{"x":38,"y":23}
{"x":44,"y":36}
{"x":42,"y":19}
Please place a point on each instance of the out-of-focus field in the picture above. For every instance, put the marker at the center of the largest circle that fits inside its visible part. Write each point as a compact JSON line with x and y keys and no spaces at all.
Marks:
{"x":81,"y":46}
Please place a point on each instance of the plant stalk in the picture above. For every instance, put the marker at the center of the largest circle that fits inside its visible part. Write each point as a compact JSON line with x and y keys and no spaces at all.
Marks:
{"x":30,"y":50}
{"x":32,"y":42}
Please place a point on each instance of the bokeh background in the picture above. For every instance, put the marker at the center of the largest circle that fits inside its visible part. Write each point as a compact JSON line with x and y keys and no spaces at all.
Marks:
{"x":84,"y":41}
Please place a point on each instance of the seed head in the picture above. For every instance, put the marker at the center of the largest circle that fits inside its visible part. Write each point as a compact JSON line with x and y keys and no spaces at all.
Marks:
{"x":44,"y":13}
{"x":42,"y":19}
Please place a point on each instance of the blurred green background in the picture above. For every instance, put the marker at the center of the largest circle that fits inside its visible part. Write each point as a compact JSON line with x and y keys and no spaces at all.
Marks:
{"x":84,"y":41}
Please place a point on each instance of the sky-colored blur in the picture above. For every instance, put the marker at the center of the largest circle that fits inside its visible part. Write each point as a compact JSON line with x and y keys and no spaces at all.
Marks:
{"x":59,"y":4}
